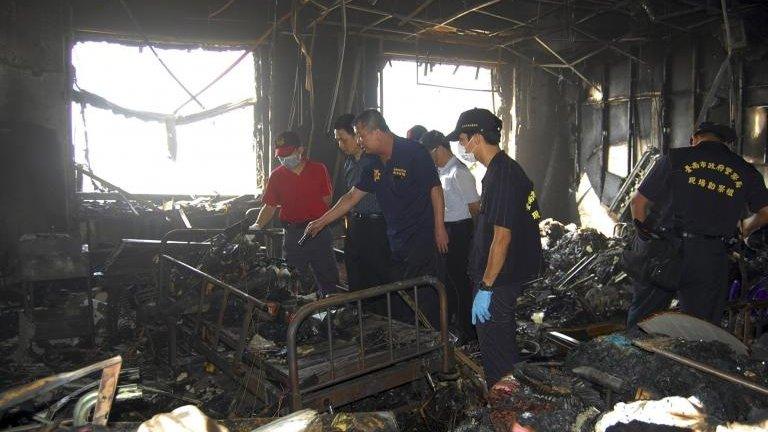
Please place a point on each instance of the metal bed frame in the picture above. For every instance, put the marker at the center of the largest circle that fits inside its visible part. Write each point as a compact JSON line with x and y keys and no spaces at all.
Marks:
{"x":345,"y":372}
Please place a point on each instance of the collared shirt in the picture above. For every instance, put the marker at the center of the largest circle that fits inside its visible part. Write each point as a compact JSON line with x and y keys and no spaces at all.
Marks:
{"x":368,"y":205}
{"x":459,"y":190}
{"x":299,"y":196}
{"x":704,"y":189}
{"x":402,"y":187}
{"x":508,"y":200}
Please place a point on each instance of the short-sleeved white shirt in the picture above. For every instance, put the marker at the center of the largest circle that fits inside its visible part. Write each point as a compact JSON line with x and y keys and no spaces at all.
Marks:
{"x":458,"y":188}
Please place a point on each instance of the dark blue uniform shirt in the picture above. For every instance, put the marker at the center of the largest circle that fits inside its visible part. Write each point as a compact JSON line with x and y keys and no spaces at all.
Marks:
{"x":704,"y":189}
{"x":402,"y":187}
{"x":352,"y":167}
{"x":508,"y":200}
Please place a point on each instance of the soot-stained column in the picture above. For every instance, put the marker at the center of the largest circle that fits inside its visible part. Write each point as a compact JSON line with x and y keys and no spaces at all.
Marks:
{"x":543,"y":143}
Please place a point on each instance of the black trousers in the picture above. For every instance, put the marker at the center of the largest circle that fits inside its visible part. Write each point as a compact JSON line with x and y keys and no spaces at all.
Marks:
{"x":316,"y":254}
{"x":458,"y":285}
{"x":703,"y":288}
{"x":366,"y":252}
{"x":498,"y":343}
{"x":419,"y":258}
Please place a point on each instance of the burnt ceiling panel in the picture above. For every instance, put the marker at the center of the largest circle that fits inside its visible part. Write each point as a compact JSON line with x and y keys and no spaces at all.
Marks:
{"x":560,"y":36}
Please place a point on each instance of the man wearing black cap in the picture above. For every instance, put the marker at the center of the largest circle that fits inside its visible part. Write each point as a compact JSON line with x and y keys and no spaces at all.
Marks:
{"x":403,"y":177}
{"x":507,"y":249}
{"x":366,"y":248}
{"x":302,"y":190}
{"x":462,"y":203}
{"x":702,"y":191}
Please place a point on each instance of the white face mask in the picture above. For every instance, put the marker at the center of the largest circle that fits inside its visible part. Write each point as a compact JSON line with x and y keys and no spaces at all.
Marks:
{"x":291,"y":161}
{"x":465,"y":155}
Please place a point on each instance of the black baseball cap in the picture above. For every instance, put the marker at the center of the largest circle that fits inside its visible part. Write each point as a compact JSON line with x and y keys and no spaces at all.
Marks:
{"x":475,"y":120}
{"x":725,"y":133}
{"x":433,"y":139}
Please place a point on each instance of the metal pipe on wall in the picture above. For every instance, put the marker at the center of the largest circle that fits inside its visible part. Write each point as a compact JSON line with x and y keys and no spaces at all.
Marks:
{"x":604,"y":130}
{"x":664,"y":102}
{"x":631,"y":141}
{"x":694,"y":77}
{"x":737,"y":118}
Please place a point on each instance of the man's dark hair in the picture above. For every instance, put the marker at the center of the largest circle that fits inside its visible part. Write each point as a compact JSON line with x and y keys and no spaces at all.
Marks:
{"x":491,"y":137}
{"x":345,"y":122}
{"x":372,"y":119}
{"x":725,"y":133}
{"x":415,"y":133}
{"x":432,"y":139}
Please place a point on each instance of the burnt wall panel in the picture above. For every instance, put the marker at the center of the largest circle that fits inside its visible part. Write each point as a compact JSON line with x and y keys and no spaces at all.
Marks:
{"x":756,"y":82}
{"x":542,"y":143}
{"x":618,"y":79}
{"x":681,"y":109}
{"x":649,"y":75}
{"x":617,"y":139}
{"x":34,"y":112}
{"x":647,"y":133}
{"x":591,"y":141}
{"x":681,"y":119}
{"x":710,"y":58}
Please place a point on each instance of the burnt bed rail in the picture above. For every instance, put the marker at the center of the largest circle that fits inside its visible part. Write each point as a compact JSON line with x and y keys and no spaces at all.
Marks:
{"x":327,"y":304}
{"x":365,"y":354}
{"x":251,"y":306}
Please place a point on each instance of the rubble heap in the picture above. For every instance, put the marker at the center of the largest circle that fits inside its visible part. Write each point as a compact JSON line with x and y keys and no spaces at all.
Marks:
{"x":662,"y":377}
{"x":543,"y":397}
{"x":582,"y":283}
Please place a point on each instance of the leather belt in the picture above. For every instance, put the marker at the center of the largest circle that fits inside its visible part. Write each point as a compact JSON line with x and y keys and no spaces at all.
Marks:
{"x":358,"y":215}
{"x":460,"y":222}
{"x":690,"y":235}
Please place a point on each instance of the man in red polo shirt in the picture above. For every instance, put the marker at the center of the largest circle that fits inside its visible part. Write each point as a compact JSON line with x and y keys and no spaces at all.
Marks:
{"x":302,"y":190}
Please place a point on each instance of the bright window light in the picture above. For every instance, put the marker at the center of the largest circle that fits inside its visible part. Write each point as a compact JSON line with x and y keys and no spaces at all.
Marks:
{"x":411,"y":98}
{"x":214,"y":156}
{"x":591,"y":212}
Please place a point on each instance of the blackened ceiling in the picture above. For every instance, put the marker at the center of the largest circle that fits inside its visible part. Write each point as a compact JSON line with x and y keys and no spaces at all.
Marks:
{"x":555,"y":35}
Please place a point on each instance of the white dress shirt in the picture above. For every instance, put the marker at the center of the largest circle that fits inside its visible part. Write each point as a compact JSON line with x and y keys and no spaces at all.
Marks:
{"x":458,"y":188}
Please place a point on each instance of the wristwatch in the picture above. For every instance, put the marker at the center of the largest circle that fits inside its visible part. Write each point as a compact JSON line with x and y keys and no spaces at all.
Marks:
{"x":483,"y":287}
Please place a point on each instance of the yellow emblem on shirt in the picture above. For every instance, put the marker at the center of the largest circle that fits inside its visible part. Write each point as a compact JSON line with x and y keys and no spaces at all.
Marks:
{"x":376,"y":175}
{"x":399,"y":172}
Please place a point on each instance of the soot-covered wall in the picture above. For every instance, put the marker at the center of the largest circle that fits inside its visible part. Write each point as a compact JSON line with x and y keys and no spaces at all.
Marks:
{"x":35,"y":173}
{"x":664,"y":92}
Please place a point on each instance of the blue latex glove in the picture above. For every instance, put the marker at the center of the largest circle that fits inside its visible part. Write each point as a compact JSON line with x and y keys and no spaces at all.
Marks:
{"x":481,"y":307}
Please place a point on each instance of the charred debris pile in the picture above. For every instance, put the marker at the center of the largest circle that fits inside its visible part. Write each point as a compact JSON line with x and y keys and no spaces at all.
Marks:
{"x":582,"y":282}
{"x":568,"y":385}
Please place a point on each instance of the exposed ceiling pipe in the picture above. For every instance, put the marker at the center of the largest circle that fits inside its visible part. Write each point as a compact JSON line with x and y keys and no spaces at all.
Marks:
{"x":341,"y":65}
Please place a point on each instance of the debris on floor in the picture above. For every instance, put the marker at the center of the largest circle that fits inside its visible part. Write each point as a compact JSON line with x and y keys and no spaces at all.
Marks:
{"x":564,"y":384}
{"x":608,"y":370}
{"x":582,"y":283}
{"x":583,"y":289}
{"x":673,"y":411}
{"x":185,"y":418}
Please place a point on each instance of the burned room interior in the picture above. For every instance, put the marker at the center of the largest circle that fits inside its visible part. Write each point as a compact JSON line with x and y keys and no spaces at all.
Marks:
{"x":220,"y":215}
